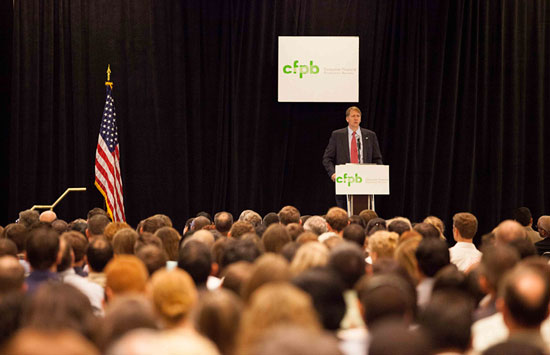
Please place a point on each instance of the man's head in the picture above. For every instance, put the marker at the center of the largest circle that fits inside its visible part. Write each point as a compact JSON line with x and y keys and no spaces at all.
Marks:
{"x":427,"y":230}
{"x":275,"y":237}
{"x":289,"y":214}
{"x":240,"y":228}
{"x":96,"y":226}
{"x":432,"y":255}
{"x":42,"y":248}
{"x":524,"y":297}
{"x":199,"y":223}
{"x":223,"y":222}
{"x":316,"y":224}
{"x":18,"y":233}
{"x":270,"y":218}
{"x":196,"y":259}
{"x":12,"y":274}
{"x":99,"y":253}
{"x":495,"y":262}
{"x":251,"y":217}
{"x":7,"y":247}
{"x":523,"y":216}
{"x":153,"y":257}
{"x":96,"y":211}
{"x":337,"y":219}
{"x":354,"y":233}
{"x":543,"y":226}
{"x":28,"y":217}
{"x":153,"y":223}
{"x":353,"y":117}
{"x":465,"y":224}
{"x":399,"y":227}
{"x":509,"y":230}
{"x":78,"y":243}
{"x":125,"y":273}
{"x":48,"y":216}
{"x":348,"y":261}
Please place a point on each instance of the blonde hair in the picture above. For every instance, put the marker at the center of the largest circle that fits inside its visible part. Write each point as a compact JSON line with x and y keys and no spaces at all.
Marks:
{"x":438,"y":224}
{"x":383,"y":243}
{"x":275,"y":304}
{"x":174,"y":294}
{"x":309,"y":255}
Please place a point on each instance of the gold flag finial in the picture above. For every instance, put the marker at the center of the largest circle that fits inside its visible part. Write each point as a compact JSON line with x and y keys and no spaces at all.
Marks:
{"x":108,"y":82}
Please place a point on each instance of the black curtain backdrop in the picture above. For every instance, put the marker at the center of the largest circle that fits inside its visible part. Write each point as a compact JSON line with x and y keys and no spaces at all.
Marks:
{"x":457,"y":91}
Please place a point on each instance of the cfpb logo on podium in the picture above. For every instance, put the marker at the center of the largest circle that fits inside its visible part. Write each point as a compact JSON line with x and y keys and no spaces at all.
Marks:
{"x":303,"y":69}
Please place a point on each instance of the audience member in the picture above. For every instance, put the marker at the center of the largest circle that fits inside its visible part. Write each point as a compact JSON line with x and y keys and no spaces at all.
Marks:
{"x":96,"y":226}
{"x":294,"y":230}
{"x":49,"y":342}
{"x":309,"y":255}
{"x":382,"y":244}
{"x":289,"y":214}
{"x":509,"y":230}
{"x":7,"y":247}
{"x":236,"y":275}
{"x":354,"y":233}
{"x":543,"y":226}
{"x":125,"y":274}
{"x":316,"y":224}
{"x":124,"y":241}
{"x":112,"y":228}
{"x":28,"y":217}
{"x":223,"y":222}
{"x":399,"y":227}
{"x":153,"y":258}
{"x":294,"y":340}
{"x":79,"y":244}
{"x":374,"y":225}
{"x":47,"y":216}
{"x":12,"y":275}
{"x":437,"y":223}
{"x":337,"y":219}
{"x":240,"y":228}
{"x":196,"y":259}
{"x":43,"y":256}
{"x":367,"y":215}
{"x":464,"y":254}
{"x":270,"y":218}
{"x":427,"y":230}
{"x":268,"y":268}
{"x":98,"y":254}
{"x":275,"y":237}
{"x":523,"y":216}
{"x":432,"y":255}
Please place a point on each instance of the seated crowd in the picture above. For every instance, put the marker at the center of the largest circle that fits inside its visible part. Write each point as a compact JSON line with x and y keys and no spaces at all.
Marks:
{"x":282,"y":284}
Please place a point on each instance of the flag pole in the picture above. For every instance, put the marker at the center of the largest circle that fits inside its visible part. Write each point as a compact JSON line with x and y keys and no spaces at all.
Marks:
{"x":109,"y":82}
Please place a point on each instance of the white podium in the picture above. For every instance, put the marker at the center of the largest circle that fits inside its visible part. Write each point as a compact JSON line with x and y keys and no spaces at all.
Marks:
{"x":360,"y":182}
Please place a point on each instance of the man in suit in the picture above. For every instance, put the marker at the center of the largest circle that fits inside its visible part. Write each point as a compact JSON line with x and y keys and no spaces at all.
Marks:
{"x":543,"y":226}
{"x":352,"y":144}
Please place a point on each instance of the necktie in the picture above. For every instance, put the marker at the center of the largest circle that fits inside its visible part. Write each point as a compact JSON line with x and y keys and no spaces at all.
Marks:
{"x":354,"y":158}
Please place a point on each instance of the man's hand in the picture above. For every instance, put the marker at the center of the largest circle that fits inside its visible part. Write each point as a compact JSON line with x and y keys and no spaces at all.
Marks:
{"x":333,"y":177}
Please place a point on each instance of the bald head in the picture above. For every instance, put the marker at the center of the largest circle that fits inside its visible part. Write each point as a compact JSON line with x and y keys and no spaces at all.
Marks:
{"x":202,"y":236}
{"x":48,"y":216}
{"x":543,"y":226}
{"x":508,"y":231}
{"x":12,"y":274}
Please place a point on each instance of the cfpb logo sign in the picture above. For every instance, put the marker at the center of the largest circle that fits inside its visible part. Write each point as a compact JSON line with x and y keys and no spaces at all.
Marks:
{"x":349,"y":179}
{"x":301,"y":70}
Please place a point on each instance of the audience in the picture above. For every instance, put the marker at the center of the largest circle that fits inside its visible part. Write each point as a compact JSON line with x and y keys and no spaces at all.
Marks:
{"x":274,"y":286}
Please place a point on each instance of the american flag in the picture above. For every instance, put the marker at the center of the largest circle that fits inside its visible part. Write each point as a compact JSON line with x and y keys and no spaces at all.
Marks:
{"x":107,"y":158}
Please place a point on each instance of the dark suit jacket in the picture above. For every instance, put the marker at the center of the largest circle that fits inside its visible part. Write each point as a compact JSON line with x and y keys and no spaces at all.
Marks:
{"x":337,"y":151}
{"x":543,"y":246}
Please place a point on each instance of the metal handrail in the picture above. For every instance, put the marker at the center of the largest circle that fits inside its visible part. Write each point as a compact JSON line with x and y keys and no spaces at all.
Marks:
{"x":51,"y":207}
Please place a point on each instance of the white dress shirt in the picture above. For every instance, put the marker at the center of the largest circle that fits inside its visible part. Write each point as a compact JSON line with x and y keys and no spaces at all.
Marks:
{"x":464,"y":255}
{"x":357,"y":137}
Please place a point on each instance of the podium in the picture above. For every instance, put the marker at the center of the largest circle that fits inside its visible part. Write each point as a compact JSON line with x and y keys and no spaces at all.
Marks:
{"x":360,"y":182}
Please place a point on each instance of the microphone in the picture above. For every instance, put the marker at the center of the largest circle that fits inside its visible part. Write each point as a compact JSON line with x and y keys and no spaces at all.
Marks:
{"x":359,"y":149}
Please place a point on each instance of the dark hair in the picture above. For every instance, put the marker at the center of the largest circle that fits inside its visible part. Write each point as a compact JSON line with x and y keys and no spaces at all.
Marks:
{"x":141,"y":240}
{"x":223,"y":221}
{"x":97,"y":224}
{"x":205,"y":214}
{"x":270,"y":218}
{"x":432,"y":255}
{"x":152,"y":224}
{"x":395,"y":338}
{"x":99,"y":253}
{"x":355,"y":219}
{"x":326,"y":291}
{"x":28,"y":217}
{"x":42,"y":247}
{"x":195,"y":258}
{"x":376,"y":224}
{"x":348,"y":261}
{"x":18,"y":233}
{"x":427,"y":230}
{"x":289,"y":214}
{"x":78,"y":243}
{"x":523,"y":216}
{"x":7,"y":247}
{"x":11,"y":308}
{"x":524,"y":247}
{"x":153,"y":257}
{"x":399,"y":227}
{"x":354,"y":233}
{"x":294,"y":230}
{"x":239,"y":250}
{"x":495,"y":261}
{"x":275,"y":237}
{"x":96,"y":211}
{"x":289,"y":250}
{"x":447,"y":320}
{"x":513,"y":347}
{"x":199,"y":223}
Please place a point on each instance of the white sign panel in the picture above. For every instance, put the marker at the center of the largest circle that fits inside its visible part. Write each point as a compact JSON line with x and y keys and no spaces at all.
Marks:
{"x":318,"y":69}
{"x":362,"y":179}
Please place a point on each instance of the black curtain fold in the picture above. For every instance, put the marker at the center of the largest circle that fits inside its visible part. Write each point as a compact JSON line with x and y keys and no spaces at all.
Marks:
{"x":457,"y":92}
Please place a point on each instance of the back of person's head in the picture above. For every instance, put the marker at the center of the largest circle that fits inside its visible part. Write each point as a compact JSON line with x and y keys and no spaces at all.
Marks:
{"x":354,"y":233}
{"x":18,"y":233}
{"x":96,"y":211}
{"x":267,"y":268}
{"x":124,"y":240}
{"x":514,"y":347}
{"x":427,"y":230}
{"x":437,"y":223}
{"x":223,"y":221}
{"x":217,"y":316}
{"x":309,"y":255}
{"x":495,"y":262}
{"x":125,"y":314}
{"x":42,"y":248}
{"x":386,"y":296}
{"x":153,"y":257}
{"x":289,"y":214}
{"x":466,"y":224}
{"x":7,"y":247}
{"x":270,"y":218}
{"x":295,"y":340}
{"x":47,"y":216}
{"x":56,"y":306}
{"x":294,"y":230}
{"x":274,"y":304}
{"x":348,"y":261}
{"x":67,"y":255}
{"x":236,"y":275}
{"x":523,"y":216}
{"x":174,"y":295}
{"x":326,"y":291}
{"x":432,"y":255}
{"x":239,"y":250}
{"x":382,"y":244}
{"x":60,"y":226}
{"x":405,"y":254}
{"x":170,"y":241}
{"x":239,"y":228}
{"x":112,"y":228}
{"x":78,"y":225}
{"x":78,"y":243}
{"x":543,"y":226}
{"x":525,"y":292}
{"x":28,"y":217}
{"x":307,"y":237}
{"x":355,"y":219}
{"x":251,"y":217}
{"x":375,"y":225}
{"x":399,"y":227}
{"x":447,"y":320}
{"x":49,"y":342}
{"x":204,"y":214}
{"x":97,"y":224}
{"x":449,"y":278}
{"x":288,"y":251}
{"x":203,"y":236}
{"x":337,"y":218}
{"x":12,"y":275}
{"x":509,"y":230}
{"x":199,"y":223}
{"x":99,"y":253}
{"x":316,"y":224}
{"x":396,"y":338}
{"x":152,"y":224}
{"x":126,"y":273}
{"x":275,"y":237}
{"x":142,"y":240}
{"x":195,"y":258}
{"x":367,"y":215}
